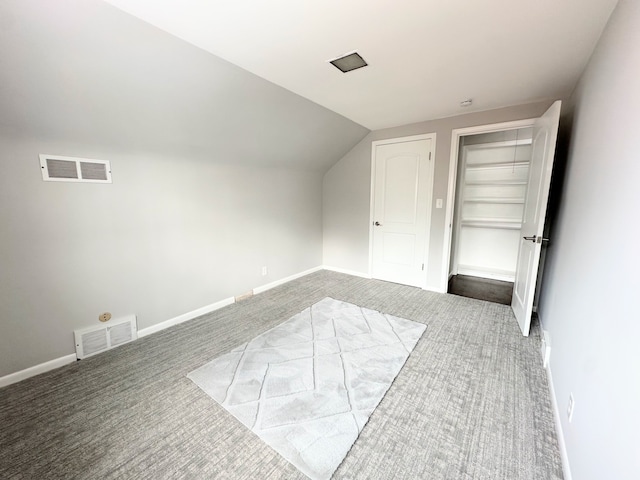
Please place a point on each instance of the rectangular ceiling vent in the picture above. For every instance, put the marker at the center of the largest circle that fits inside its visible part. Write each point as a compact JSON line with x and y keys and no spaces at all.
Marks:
{"x":56,"y":168}
{"x":100,"y":338}
{"x":350,"y":61}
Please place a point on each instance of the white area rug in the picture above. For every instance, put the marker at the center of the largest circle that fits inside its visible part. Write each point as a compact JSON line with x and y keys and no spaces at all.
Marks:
{"x":308,"y":386}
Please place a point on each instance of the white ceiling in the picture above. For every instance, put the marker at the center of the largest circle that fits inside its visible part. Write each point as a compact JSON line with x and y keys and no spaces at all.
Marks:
{"x":424,"y":56}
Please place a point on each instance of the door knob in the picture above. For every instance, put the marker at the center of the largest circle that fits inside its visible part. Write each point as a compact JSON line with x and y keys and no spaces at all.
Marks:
{"x":536,"y":239}
{"x":377,"y":224}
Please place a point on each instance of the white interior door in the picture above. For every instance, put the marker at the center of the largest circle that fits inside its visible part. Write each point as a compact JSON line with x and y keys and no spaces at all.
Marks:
{"x":545,"y":132}
{"x":402,"y":187}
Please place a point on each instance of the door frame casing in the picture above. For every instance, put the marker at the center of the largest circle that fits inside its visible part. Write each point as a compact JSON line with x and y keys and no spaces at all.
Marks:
{"x":411,"y":138}
{"x":456,"y":134}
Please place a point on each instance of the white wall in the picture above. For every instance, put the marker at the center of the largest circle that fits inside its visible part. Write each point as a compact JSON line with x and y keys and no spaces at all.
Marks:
{"x":169,"y":236}
{"x":216,"y":173}
{"x":347,"y":190}
{"x":82,"y":71}
{"x":589,"y":300}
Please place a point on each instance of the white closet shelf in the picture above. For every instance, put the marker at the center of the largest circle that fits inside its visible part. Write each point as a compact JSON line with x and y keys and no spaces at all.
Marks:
{"x":496,"y":182}
{"x":494,"y":200}
{"x":493,"y":165}
{"x":499,"y":144}
{"x":492,"y":223}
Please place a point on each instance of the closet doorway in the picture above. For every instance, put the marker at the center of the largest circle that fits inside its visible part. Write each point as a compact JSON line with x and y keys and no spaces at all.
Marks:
{"x":505,"y":201}
{"x":493,"y":169}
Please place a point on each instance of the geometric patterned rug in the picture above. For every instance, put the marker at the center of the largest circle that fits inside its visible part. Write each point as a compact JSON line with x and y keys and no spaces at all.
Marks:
{"x":308,"y":386}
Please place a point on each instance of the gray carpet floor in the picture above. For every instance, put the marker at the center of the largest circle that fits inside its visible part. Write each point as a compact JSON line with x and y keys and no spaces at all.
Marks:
{"x":471,"y":402}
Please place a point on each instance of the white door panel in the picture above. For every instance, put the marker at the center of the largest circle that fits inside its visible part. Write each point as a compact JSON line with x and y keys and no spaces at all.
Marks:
{"x":402,"y":186}
{"x":535,"y":208}
{"x":400,"y":194}
{"x":398,"y":248}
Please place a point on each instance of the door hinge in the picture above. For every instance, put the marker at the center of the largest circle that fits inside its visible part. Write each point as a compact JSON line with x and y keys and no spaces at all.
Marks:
{"x":429,"y":155}
{"x":423,"y":267}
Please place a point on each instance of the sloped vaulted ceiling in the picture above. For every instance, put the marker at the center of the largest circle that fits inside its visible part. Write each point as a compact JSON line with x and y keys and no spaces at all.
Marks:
{"x":424,"y":56}
{"x":83,"y":71}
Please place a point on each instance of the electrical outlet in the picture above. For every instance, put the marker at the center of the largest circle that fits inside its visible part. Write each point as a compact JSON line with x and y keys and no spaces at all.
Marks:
{"x":104,"y":317}
{"x":264,"y":271}
{"x":572,"y":403}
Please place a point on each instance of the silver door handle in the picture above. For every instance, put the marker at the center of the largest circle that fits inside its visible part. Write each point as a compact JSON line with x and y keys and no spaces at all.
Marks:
{"x":536,"y":239}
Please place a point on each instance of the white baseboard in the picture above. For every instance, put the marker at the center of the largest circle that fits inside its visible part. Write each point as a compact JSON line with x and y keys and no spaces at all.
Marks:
{"x":67,"y":359}
{"x":494,"y":274}
{"x":566,"y":468}
{"x":346,"y":271}
{"x":438,"y":289}
{"x":366,"y":275}
{"x":37,"y":370}
{"x":269,"y":286}
{"x":185,"y":317}
{"x":545,"y":347}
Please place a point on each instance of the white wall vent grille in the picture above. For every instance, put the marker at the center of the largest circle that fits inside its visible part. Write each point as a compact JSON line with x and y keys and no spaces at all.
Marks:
{"x":100,"y":338}
{"x":70,"y":169}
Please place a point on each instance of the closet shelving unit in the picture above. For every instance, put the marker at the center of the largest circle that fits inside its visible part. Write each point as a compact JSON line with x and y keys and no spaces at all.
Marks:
{"x":491,"y":194}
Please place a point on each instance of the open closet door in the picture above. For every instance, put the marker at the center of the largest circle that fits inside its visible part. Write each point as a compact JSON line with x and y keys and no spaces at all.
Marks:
{"x":545,"y":133}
